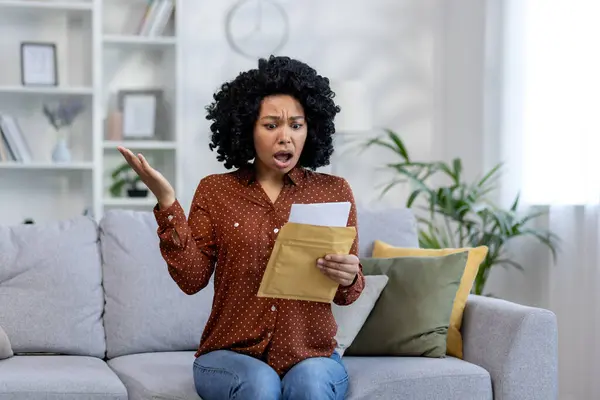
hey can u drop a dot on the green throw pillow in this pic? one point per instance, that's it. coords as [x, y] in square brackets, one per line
[412, 315]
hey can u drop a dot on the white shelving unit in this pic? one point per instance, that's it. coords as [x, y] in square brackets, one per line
[98, 54]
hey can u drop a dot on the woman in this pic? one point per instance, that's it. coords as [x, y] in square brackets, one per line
[274, 126]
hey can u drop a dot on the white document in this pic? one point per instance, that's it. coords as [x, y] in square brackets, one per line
[322, 214]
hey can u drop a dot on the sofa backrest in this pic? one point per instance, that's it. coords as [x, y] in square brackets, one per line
[51, 297]
[395, 226]
[57, 280]
[145, 310]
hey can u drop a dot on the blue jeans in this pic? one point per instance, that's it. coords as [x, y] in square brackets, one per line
[223, 374]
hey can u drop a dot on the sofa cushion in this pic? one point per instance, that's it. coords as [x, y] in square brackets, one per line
[397, 227]
[476, 257]
[59, 378]
[167, 375]
[51, 287]
[170, 376]
[416, 378]
[145, 309]
[350, 318]
[412, 315]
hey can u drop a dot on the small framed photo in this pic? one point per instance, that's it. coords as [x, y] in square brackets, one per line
[140, 113]
[39, 66]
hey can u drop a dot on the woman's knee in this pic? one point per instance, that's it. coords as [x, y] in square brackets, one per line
[258, 382]
[317, 378]
[258, 386]
[226, 375]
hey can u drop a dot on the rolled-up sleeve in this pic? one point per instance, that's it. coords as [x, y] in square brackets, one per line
[188, 245]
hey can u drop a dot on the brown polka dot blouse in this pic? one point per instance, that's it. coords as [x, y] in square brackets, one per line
[231, 230]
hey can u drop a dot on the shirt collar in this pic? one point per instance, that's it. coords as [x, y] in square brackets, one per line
[247, 174]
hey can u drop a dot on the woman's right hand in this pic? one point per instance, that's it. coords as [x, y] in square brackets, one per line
[154, 180]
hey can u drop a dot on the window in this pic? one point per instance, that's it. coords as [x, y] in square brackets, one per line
[560, 115]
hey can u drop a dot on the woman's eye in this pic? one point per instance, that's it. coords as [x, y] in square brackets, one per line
[296, 126]
[270, 126]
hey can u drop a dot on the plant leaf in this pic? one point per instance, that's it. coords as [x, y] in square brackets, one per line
[515, 203]
[120, 169]
[400, 147]
[413, 196]
[492, 173]
[457, 165]
[380, 143]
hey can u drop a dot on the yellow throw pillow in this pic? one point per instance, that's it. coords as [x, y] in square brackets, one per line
[454, 347]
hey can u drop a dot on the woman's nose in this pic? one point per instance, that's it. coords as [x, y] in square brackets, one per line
[283, 135]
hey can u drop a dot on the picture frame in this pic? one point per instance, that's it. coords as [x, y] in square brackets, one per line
[140, 112]
[39, 65]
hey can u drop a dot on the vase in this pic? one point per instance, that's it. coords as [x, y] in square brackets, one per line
[61, 152]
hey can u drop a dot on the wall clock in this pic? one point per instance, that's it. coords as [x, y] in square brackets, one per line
[257, 28]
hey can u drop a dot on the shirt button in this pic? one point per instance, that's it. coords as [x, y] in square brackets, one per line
[170, 218]
[273, 308]
[276, 230]
[269, 334]
[236, 224]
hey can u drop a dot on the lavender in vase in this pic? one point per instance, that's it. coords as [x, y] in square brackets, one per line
[61, 116]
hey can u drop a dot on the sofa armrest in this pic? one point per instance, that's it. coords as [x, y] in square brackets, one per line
[516, 344]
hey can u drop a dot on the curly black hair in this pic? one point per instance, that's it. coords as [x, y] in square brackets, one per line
[236, 108]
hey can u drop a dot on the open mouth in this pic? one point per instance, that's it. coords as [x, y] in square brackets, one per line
[283, 158]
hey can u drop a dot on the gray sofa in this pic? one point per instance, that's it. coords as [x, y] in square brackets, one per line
[93, 314]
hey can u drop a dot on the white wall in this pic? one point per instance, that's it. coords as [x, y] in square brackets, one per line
[389, 44]
[461, 105]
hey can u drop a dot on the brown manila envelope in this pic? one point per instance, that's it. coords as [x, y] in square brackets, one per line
[292, 271]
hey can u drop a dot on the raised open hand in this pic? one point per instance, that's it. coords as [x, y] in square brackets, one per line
[154, 180]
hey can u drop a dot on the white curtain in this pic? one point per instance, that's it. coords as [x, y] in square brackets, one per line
[551, 141]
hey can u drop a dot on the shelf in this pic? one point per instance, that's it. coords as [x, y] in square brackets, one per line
[149, 201]
[46, 5]
[142, 145]
[73, 166]
[138, 41]
[47, 91]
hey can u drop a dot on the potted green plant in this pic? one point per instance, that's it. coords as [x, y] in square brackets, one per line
[124, 178]
[459, 213]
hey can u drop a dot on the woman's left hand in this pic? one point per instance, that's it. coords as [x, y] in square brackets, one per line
[342, 268]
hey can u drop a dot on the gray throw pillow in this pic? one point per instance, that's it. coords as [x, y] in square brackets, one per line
[351, 318]
[5, 347]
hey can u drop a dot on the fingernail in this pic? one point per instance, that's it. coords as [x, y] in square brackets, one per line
[327, 257]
